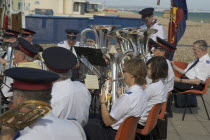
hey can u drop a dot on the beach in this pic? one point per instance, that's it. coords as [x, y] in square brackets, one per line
[194, 31]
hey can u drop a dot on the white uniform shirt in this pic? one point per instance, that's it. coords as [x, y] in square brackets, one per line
[65, 45]
[160, 33]
[155, 93]
[132, 103]
[200, 70]
[170, 78]
[52, 128]
[71, 99]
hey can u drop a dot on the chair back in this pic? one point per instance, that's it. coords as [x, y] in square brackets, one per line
[181, 65]
[163, 109]
[205, 88]
[127, 129]
[151, 120]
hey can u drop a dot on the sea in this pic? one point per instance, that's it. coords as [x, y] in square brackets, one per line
[201, 17]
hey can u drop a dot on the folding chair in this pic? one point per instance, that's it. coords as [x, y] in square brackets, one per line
[196, 93]
[151, 120]
[163, 109]
[127, 129]
[189, 93]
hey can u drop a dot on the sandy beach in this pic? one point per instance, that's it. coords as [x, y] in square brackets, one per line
[194, 31]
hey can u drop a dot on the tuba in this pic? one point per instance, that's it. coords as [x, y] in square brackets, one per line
[133, 41]
[24, 114]
[102, 37]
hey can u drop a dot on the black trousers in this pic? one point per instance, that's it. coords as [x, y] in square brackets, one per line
[179, 87]
[96, 130]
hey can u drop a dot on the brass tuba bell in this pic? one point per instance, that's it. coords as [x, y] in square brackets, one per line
[24, 114]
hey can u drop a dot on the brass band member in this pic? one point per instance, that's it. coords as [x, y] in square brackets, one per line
[132, 103]
[27, 34]
[23, 52]
[151, 23]
[69, 44]
[70, 99]
[156, 89]
[35, 84]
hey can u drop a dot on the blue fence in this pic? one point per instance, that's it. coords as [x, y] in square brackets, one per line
[51, 29]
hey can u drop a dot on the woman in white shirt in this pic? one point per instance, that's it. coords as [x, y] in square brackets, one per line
[132, 103]
[156, 90]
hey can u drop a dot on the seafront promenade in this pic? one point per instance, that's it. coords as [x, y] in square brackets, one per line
[196, 126]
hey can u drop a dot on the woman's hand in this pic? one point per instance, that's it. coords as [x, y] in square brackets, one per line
[102, 97]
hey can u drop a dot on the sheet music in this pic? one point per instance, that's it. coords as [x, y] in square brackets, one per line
[91, 82]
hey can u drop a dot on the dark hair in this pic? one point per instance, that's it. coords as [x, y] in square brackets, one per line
[159, 68]
[137, 68]
[167, 53]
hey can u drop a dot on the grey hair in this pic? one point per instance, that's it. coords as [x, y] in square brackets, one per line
[63, 76]
[28, 58]
[35, 95]
[202, 45]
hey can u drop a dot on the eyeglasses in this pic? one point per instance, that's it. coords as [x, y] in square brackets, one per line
[195, 49]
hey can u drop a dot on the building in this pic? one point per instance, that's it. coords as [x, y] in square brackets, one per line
[61, 7]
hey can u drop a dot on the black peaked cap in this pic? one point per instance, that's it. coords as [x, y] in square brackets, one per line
[59, 59]
[26, 47]
[72, 31]
[27, 31]
[31, 75]
[164, 44]
[146, 11]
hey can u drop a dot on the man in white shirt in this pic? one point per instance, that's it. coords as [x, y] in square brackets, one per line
[70, 99]
[196, 73]
[151, 23]
[69, 44]
[23, 52]
[34, 84]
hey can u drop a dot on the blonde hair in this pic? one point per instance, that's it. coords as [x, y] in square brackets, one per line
[137, 67]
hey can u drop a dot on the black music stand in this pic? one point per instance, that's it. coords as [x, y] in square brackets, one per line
[94, 56]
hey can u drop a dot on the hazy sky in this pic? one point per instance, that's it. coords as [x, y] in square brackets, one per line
[192, 4]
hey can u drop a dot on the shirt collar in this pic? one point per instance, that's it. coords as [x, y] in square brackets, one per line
[203, 58]
[134, 88]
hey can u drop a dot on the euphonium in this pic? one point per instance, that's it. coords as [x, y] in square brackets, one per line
[24, 114]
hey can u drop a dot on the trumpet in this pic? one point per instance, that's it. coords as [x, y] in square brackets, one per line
[24, 114]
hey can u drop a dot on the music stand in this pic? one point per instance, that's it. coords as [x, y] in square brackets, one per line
[94, 56]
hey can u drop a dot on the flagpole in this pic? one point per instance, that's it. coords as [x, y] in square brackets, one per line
[170, 23]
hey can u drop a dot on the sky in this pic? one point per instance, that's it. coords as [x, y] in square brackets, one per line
[192, 4]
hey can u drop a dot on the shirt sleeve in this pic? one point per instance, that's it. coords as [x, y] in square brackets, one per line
[203, 73]
[120, 107]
